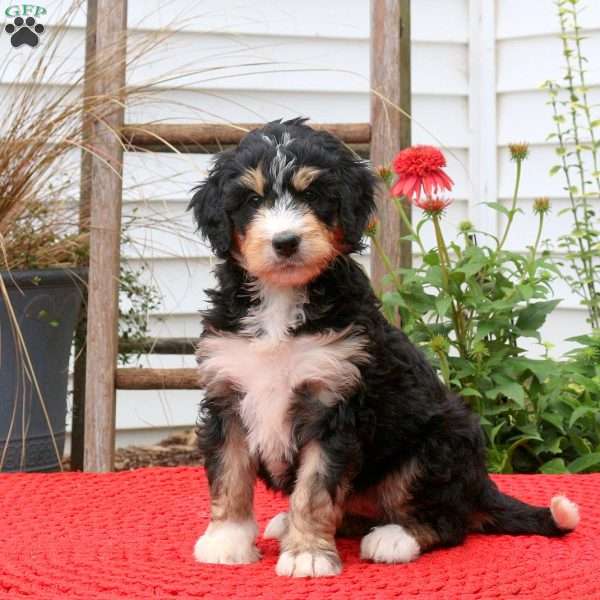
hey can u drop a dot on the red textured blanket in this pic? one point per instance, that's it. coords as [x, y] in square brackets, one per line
[130, 535]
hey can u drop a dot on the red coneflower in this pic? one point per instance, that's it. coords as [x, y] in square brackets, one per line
[420, 168]
[431, 205]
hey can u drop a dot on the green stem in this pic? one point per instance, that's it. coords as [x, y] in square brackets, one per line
[538, 237]
[457, 316]
[408, 224]
[588, 289]
[439, 238]
[513, 208]
[586, 105]
[386, 261]
[444, 367]
[586, 239]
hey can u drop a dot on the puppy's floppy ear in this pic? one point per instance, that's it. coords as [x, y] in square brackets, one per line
[357, 201]
[209, 210]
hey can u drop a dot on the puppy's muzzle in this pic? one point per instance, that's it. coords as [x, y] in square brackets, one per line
[286, 243]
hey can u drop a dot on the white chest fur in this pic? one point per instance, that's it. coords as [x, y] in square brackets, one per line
[265, 364]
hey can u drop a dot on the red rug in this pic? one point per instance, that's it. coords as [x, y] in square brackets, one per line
[130, 535]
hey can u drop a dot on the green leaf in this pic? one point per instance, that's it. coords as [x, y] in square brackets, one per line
[555, 169]
[554, 466]
[554, 419]
[580, 412]
[498, 207]
[533, 316]
[584, 462]
[442, 304]
[595, 123]
[473, 266]
[494, 432]
[467, 391]
[510, 389]
[580, 444]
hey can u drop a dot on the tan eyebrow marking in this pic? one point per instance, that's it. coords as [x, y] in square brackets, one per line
[304, 176]
[254, 179]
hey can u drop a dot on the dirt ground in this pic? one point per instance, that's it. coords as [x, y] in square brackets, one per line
[177, 450]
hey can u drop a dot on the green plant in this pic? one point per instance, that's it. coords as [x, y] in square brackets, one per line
[137, 300]
[574, 435]
[470, 307]
[577, 146]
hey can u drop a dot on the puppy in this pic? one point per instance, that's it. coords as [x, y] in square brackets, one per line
[309, 387]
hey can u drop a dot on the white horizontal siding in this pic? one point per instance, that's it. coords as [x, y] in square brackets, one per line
[321, 69]
[228, 60]
[529, 52]
[519, 19]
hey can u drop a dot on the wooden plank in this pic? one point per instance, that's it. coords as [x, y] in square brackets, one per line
[157, 379]
[105, 235]
[390, 129]
[150, 136]
[159, 346]
[79, 367]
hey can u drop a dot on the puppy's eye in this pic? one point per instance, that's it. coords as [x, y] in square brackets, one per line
[309, 195]
[254, 199]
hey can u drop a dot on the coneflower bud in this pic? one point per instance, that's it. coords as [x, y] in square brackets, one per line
[371, 229]
[541, 205]
[439, 344]
[465, 226]
[385, 173]
[519, 151]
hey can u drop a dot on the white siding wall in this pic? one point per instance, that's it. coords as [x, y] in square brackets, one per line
[528, 52]
[477, 66]
[320, 54]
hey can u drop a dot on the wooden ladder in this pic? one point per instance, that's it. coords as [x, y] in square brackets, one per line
[96, 374]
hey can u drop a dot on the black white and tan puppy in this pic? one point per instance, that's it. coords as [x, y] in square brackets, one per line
[309, 387]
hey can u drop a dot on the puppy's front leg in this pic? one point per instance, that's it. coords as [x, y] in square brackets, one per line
[308, 547]
[231, 471]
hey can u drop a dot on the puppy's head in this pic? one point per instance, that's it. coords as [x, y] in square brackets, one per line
[285, 202]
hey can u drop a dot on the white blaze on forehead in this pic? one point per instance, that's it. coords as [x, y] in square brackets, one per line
[281, 164]
[282, 216]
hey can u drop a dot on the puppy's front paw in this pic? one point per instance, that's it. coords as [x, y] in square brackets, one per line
[228, 543]
[277, 527]
[310, 563]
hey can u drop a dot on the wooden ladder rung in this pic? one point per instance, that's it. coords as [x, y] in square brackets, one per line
[208, 136]
[176, 345]
[157, 379]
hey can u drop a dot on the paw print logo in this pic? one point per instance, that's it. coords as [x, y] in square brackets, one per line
[24, 31]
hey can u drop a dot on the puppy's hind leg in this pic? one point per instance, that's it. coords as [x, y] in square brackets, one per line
[410, 529]
[400, 542]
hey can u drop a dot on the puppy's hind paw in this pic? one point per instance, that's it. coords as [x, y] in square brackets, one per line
[277, 527]
[389, 544]
[310, 563]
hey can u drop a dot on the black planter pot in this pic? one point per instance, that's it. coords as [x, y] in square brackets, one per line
[46, 304]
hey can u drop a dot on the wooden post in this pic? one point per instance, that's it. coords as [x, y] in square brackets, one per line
[105, 234]
[390, 129]
[78, 414]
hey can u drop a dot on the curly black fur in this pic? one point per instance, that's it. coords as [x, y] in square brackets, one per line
[401, 412]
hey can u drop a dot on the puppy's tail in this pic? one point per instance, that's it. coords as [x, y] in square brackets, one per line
[504, 514]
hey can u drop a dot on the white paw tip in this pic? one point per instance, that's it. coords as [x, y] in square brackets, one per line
[276, 527]
[307, 564]
[564, 512]
[227, 543]
[389, 544]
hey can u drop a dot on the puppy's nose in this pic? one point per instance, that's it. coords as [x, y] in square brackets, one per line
[286, 243]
